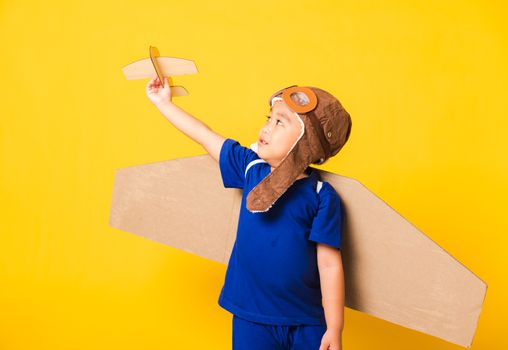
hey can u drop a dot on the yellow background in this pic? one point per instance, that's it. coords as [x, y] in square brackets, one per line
[424, 82]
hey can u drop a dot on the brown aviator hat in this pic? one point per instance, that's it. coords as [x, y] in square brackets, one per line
[325, 129]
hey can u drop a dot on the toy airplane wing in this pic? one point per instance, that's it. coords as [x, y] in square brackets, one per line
[392, 270]
[163, 67]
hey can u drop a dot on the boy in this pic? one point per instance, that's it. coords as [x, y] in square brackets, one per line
[284, 284]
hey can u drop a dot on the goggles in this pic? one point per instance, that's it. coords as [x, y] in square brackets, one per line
[300, 99]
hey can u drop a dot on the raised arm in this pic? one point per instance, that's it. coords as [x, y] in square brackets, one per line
[193, 127]
[183, 121]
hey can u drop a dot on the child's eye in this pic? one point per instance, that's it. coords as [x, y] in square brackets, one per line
[278, 120]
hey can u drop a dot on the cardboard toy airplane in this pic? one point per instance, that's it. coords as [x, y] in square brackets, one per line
[392, 270]
[163, 67]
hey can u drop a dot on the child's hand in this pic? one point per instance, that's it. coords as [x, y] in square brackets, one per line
[332, 340]
[156, 93]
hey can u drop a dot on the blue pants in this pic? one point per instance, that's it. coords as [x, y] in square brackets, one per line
[248, 335]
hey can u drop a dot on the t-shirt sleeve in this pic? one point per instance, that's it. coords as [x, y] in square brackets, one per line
[233, 160]
[327, 224]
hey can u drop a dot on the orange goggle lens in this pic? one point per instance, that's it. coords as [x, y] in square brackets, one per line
[300, 99]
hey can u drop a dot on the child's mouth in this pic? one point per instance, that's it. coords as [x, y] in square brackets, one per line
[261, 142]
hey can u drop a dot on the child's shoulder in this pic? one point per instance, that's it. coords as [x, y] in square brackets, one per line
[234, 143]
[234, 146]
[327, 191]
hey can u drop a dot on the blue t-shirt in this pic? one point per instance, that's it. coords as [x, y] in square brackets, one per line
[272, 275]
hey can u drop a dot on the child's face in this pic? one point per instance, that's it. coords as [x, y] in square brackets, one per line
[280, 131]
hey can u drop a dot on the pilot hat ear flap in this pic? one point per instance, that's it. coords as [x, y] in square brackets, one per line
[263, 196]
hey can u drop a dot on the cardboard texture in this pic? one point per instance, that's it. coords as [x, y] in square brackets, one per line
[393, 271]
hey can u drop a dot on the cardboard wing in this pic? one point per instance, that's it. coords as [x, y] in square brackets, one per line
[392, 270]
